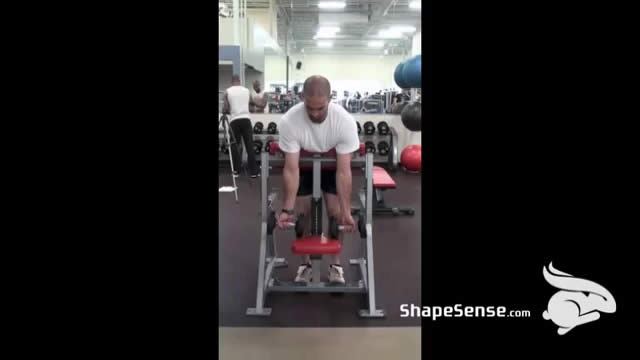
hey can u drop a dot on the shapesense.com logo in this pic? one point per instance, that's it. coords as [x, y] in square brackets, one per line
[458, 311]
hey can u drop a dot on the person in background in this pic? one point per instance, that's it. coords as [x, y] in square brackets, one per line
[258, 99]
[236, 103]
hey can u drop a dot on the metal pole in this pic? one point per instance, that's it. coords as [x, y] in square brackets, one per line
[287, 75]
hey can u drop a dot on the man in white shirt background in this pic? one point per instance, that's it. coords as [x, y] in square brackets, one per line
[236, 103]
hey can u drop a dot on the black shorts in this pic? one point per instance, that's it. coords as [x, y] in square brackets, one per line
[327, 182]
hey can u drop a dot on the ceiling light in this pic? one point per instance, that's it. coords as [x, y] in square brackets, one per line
[415, 5]
[403, 29]
[329, 29]
[376, 44]
[325, 43]
[324, 36]
[332, 5]
[388, 34]
[386, 51]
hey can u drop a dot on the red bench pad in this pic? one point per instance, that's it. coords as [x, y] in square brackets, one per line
[315, 245]
[382, 179]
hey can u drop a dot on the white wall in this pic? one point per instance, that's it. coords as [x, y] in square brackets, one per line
[349, 72]
[275, 70]
[416, 44]
[224, 77]
[225, 31]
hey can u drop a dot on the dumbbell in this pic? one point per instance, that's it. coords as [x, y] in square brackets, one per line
[258, 128]
[370, 147]
[298, 225]
[272, 128]
[359, 127]
[383, 128]
[369, 128]
[257, 147]
[335, 228]
[267, 147]
[383, 148]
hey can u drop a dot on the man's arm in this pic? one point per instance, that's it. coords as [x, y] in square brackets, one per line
[291, 178]
[343, 182]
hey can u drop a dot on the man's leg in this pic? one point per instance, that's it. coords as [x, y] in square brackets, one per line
[247, 135]
[234, 135]
[333, 209]
[303, 207]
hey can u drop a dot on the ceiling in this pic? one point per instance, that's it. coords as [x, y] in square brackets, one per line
[298, 22]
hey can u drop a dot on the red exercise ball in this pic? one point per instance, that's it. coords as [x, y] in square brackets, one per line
[411, 158]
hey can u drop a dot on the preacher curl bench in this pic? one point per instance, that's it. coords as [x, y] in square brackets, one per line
[316, 245]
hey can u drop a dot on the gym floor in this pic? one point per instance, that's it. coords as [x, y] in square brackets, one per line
[397, 253]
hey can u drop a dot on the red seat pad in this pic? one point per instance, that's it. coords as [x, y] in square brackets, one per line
[274, 148]
[315, 245]
[381, 179]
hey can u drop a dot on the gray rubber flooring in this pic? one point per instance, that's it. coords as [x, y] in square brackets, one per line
[397, 258]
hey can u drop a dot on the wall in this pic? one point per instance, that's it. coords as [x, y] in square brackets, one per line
[416, 44]
[349, 72]
[225, 31]
[275, 70]
[224, 77]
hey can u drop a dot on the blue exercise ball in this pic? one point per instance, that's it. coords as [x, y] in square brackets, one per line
[412, 72]
[398, 76]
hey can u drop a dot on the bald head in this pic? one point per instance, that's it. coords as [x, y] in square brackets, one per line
[235, 80]
[317, 86]
[316, 94]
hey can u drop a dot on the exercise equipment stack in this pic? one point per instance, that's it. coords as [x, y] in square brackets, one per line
[381, 140]
[317, 244]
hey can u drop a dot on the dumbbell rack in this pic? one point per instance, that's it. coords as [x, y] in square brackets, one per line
[389, 161]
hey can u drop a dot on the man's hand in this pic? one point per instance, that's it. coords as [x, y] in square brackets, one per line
[347, 220]
[285, 220]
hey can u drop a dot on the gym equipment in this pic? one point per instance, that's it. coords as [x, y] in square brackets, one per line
[257, 147]
[370, 147]
[359, 127]
[411, 158]
[412, 116]
[398, 76]
[383, 128]
[382, 181]
[299, 226]
[272, 128]
[383, 148]
[316, 245]
[396, 109]
[229, 139]
[387, 158]
[334, 228]
[369, 128]
[373, 105]
[412, 72]
[258, 127]
[268, 145]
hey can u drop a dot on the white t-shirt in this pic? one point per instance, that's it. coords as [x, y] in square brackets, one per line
[239, 102]
[338, 130]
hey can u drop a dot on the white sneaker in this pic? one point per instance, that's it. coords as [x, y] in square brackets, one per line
[304, 274]
[336, 274]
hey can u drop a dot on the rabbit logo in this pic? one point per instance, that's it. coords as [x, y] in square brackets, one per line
[578, 302]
